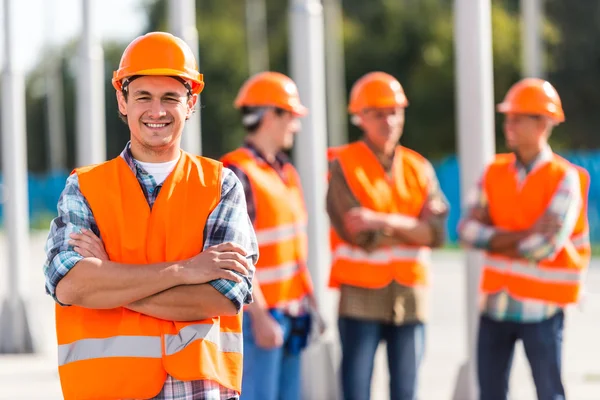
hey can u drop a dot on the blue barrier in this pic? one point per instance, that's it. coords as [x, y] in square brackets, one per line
[45, 189]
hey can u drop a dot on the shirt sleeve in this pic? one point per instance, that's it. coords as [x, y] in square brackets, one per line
[241, 175]
[74, 213]
[565, 206]
[229, 222]
[474, 229]
[436, 208]
[340, 200]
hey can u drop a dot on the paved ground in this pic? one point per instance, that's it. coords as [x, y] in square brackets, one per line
[34, 377]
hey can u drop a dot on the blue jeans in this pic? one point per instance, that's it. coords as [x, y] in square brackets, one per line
[271, 374]
[405, 349]
[543, 346]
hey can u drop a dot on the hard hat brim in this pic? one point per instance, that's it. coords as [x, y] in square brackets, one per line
[197, 80]
[508, 108]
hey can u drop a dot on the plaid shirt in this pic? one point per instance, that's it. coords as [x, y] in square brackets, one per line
[395, 303]
[565, 204]
[228, 222]
[281, 160]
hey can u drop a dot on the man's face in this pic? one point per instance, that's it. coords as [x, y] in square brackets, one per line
[282, 127]
[523, 131]
[382, 126]
[156, 108]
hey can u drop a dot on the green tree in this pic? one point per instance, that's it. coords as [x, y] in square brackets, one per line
[223, 61]
[575, 73]
[412, 40]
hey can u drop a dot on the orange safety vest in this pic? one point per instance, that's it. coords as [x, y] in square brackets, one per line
[119, 353]
[331, 153]
[514, 208]
[280, 226]
[580, 239]
[405, 192]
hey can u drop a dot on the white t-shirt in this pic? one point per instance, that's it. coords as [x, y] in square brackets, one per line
[159, 171]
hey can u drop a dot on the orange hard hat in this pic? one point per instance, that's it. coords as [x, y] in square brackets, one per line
[159, 53]
[376, 90]
[533, 96]
[270, 89]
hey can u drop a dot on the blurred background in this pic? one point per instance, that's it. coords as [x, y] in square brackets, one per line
[66, 51]
[410, 39]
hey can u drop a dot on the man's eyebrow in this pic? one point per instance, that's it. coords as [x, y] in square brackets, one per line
[142, 92]
[166, 94]
[173, 94]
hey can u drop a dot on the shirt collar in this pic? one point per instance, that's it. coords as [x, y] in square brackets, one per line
[385, 160]
[543, 157]
[281, 158]
[135, 167]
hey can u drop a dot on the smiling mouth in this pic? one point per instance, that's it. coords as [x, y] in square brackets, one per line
[156, 126]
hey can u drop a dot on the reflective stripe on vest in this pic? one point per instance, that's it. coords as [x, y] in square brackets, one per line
[228, 342]
[279, 233]
[122, 354]
[117, 346]
[270, 274]
[533, 271]
[382, 256]
[581, 240]
[280, 220]
[403, 191]
[148, 346]
[515, 207]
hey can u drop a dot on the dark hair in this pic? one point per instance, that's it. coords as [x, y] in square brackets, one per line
[252, 128]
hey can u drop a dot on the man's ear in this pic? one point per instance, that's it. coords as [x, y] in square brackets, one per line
[548, 125]
[191, 105]
[121, 102]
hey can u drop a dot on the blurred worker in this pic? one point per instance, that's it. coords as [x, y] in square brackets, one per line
[277, 324]
[387, 211]
[150, 259]
[528, 214]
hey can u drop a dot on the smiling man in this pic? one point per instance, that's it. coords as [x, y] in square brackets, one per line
[151, 257]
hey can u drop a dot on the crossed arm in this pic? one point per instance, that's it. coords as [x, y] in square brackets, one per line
[370, 229]
[543, 240]
[216, 282]
[477, 231]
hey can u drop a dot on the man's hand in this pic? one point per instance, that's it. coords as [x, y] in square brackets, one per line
[266, 330]
[87, 244]
[480, 215]
[217, 262]
[316, 314]
[361, 219]
[547, 225]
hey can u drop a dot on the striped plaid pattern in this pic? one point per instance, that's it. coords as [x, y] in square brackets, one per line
[281, 161]
[229, 221]
[565, 204]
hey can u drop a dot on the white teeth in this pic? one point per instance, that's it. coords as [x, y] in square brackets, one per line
[156, 125]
